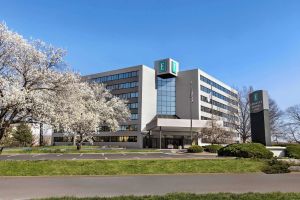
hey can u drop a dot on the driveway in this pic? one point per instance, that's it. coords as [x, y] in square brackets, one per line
[83, 186]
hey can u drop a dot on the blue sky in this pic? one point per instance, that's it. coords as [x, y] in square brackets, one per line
[241, 42]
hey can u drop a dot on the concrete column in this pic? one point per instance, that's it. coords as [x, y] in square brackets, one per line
[160, 137]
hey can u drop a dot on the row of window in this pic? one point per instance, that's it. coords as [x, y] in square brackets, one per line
[228, 124]
[218, 113]
[63, 139]
[122, 85]
[132, 127]
[132, 105]
[115, 138]
[166, 103]
[115, 77]
[100, 139]
[218, 95]
[166, 110]
[205, 118]
[218, 104]
[216, 85]
[128, 95]
[134, 116]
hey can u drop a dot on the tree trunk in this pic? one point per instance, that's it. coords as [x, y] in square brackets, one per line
[244, 139]
[79, 146]
[41, 134]
[2, 132]
[79, 143]
[74, 140]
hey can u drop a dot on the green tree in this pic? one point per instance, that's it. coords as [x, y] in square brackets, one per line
[23, 135]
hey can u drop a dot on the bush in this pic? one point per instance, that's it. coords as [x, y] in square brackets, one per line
[293, 151]
[195, 149]
[212, 148]
[249, 150]
[276, 167]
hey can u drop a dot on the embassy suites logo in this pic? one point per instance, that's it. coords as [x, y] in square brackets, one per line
[255, 97]
[174, 67]
[256, 103]
[162, 66]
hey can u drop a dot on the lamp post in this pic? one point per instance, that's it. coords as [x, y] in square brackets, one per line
[191, 110]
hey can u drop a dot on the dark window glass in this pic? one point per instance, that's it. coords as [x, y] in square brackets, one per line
[166, 96]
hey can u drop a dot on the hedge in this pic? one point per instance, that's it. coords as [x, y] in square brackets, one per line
[212, 148]
[195, 149]
[248, 150]
[293, 151]
[276, 167]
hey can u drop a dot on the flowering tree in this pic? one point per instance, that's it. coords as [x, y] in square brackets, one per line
[29, 79]
[92, 105]
[35, 87]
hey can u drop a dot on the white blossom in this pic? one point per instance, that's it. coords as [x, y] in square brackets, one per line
[35, 86]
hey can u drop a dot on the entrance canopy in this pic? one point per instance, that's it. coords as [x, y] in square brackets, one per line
[183, 125]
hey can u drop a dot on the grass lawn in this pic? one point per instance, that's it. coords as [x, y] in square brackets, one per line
[71, 149]
[127, 167]
[186, 196]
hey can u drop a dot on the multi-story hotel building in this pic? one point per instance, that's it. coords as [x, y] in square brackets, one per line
[162, 102]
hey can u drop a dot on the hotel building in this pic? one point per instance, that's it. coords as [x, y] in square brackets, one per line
[162, 102]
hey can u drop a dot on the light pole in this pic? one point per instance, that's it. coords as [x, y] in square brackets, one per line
[191, 110]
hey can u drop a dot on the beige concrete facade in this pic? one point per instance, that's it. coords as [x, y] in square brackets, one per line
[153, 126]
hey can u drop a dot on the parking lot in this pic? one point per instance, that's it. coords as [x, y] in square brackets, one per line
[106, 156]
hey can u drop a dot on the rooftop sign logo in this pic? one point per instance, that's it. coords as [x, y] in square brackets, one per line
[166, 68]
[258, 101]
[162, 66]
[174, 67]
[255, 97]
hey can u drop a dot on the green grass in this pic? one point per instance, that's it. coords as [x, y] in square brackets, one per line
[187, 196]
[70, 149]
[127, 167]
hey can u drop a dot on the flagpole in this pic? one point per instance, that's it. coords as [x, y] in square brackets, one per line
[191, 112]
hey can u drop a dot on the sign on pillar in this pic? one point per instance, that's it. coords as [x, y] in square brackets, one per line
[259, 117]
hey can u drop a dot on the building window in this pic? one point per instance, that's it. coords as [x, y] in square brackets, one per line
[122, 86]
[63, 139]
[218, 95]
[115, 77]
[132, 127]
[134, 116]
[205, 118]
[218, 104]
[212, 83]
[132, 105]
[219, 113]
[128, 95]
[115, 138]
[166, 96]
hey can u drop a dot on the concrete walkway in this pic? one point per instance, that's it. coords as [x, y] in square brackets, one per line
[38, 187]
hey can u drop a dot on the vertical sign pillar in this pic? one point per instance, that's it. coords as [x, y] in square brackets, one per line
[259, 117]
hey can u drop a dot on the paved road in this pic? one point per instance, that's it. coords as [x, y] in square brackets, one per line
[40, 187]
[106, 156]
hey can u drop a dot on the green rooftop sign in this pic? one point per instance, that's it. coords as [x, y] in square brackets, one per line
[174, 67]
[163, 66]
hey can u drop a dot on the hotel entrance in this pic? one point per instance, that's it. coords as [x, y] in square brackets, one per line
[168, 133]
[167, 142]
